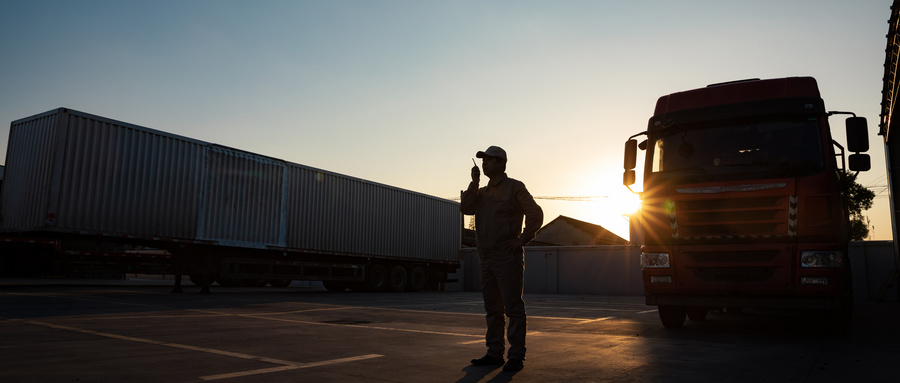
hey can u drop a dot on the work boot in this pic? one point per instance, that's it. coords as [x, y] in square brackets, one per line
[488, 360]
[514, 365]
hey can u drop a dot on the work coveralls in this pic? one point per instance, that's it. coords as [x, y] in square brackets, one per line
[499, 209]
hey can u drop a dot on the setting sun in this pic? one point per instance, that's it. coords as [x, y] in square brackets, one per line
[595, 200]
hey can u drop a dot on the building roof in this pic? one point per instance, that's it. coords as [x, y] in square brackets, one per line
[600, 235]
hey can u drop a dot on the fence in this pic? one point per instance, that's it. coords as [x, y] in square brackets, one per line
[616, 270]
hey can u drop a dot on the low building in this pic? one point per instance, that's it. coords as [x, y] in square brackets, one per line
[566, 231]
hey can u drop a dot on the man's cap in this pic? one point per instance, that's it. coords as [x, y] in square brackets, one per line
[493, 151]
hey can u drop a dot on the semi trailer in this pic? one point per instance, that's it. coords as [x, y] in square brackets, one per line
[84, 189]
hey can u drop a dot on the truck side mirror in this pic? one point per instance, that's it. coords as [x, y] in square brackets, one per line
[857, 135]
[630, 154]
[628, 178]
[859, 162]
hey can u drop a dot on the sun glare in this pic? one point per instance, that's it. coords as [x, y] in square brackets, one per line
[605, 204]
[613, 212]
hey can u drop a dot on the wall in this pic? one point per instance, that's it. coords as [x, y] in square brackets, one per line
[600, 270]
[873, 263]
[616, 270]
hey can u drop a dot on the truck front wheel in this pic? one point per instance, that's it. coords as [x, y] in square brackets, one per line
[672, 316]
[841, 319]
[697, 314]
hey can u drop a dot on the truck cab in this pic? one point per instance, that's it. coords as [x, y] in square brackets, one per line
[741, 201]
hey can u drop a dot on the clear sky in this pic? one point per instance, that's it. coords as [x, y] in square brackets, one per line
[405, 92]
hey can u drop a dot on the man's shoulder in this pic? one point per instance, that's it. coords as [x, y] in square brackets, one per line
[510, 183]
[515, 186]
[514, 181]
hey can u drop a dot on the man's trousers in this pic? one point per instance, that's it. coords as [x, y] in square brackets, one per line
[502, 285]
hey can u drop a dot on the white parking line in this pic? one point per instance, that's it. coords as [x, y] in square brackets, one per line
[530, 333]
[594, 320]
[257, 316]
[285, 364]
[290, 367]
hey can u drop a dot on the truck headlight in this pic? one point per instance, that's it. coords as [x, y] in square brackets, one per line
[654, 260]
[821, 259]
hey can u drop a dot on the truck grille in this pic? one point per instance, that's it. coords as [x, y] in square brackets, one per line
[733, 257]
[733, 266]
[734, 274]
[734, 218]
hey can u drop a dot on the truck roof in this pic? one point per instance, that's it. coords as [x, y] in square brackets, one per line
[738, 92]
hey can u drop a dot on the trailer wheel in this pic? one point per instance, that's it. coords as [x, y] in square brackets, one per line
[672, 316]
[376, 278]
[358, 287]
[229, 282]
[254, 282]
[335, 286]
[734, 310]
[202, 279]
[416, 279]
[280, 282]
[397, 280]
[697, 314]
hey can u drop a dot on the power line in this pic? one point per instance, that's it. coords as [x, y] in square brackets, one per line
[877, 180]
[878, 190]
[573, 198]
[587, 198]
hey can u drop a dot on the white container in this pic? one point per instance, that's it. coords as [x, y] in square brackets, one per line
[76, 173]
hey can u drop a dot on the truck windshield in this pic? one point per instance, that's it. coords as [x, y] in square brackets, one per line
[761, 149]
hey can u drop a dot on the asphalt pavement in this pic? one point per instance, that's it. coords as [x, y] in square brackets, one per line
[138, 331]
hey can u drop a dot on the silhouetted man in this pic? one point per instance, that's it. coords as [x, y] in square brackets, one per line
[499, 209]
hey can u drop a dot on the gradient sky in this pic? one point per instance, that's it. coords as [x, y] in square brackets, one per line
[405, 92]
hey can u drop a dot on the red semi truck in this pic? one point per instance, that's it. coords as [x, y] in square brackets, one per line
[742, 200]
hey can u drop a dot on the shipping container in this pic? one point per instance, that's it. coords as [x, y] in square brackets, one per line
[70, 173]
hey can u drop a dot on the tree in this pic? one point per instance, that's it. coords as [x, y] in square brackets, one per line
[858, 198]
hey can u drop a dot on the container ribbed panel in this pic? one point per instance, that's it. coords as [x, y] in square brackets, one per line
[335, 213]
[26, 188]
[75, 172]
[242, 199]
[118, 179]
